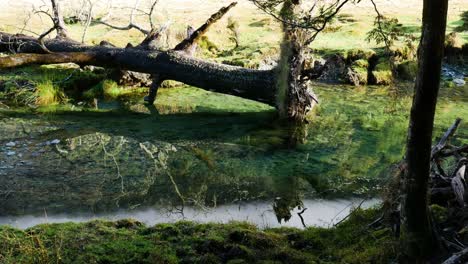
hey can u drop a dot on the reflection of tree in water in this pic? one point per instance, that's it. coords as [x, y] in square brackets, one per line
[100, 172]
[297, 134]
[92, 172]
[289, 190]
[286, 203]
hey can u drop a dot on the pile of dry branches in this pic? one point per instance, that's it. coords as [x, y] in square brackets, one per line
[449, 190]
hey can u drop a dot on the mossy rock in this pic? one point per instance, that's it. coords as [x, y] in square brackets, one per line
[128, 224]
[454, 48]
[382, 73]
[358, 71]
[362, 63]
[408, 70]
[358, 54]
[171, 84]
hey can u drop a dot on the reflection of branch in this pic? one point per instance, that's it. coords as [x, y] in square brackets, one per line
[106, 153]
[302, 219]
[171, 178]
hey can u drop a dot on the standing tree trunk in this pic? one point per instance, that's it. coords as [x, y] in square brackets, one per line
[418, 240]
[294, 99]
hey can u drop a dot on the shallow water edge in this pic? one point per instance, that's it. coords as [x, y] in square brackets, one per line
[319, 213]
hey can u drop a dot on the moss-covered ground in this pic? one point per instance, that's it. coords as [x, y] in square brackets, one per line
[128, 241]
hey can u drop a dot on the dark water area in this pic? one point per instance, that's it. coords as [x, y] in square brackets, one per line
[179, 161]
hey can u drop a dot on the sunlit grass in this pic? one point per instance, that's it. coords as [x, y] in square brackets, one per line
[48, 94]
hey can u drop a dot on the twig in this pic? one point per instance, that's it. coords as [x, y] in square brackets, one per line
[454, 151]
[443, 141]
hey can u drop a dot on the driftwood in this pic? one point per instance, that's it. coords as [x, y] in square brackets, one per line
[448, 188]
[443, 141]
[448, 197]
[458, 258]
[458, 186]
[187, 46]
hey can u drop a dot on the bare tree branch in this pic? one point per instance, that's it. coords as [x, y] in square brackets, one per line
[186, 43]
[132, 23]
[88, 20]
[58, 20]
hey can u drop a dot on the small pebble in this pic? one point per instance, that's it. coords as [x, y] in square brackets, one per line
[10, 144]
[10, 153]
[55, 142]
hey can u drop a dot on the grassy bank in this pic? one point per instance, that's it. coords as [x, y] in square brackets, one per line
[128, 241]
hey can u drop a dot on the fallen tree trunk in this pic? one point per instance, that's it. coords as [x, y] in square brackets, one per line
[258, 85]
[283, 88]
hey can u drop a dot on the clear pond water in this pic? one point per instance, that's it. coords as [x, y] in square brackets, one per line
[206, 157]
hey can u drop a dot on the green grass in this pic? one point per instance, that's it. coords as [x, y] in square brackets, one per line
[48, 94]
[46, 85]
[128, 241]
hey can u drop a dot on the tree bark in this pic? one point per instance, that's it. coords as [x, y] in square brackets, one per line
[258, 85]
[295, 100]
[418, 240]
